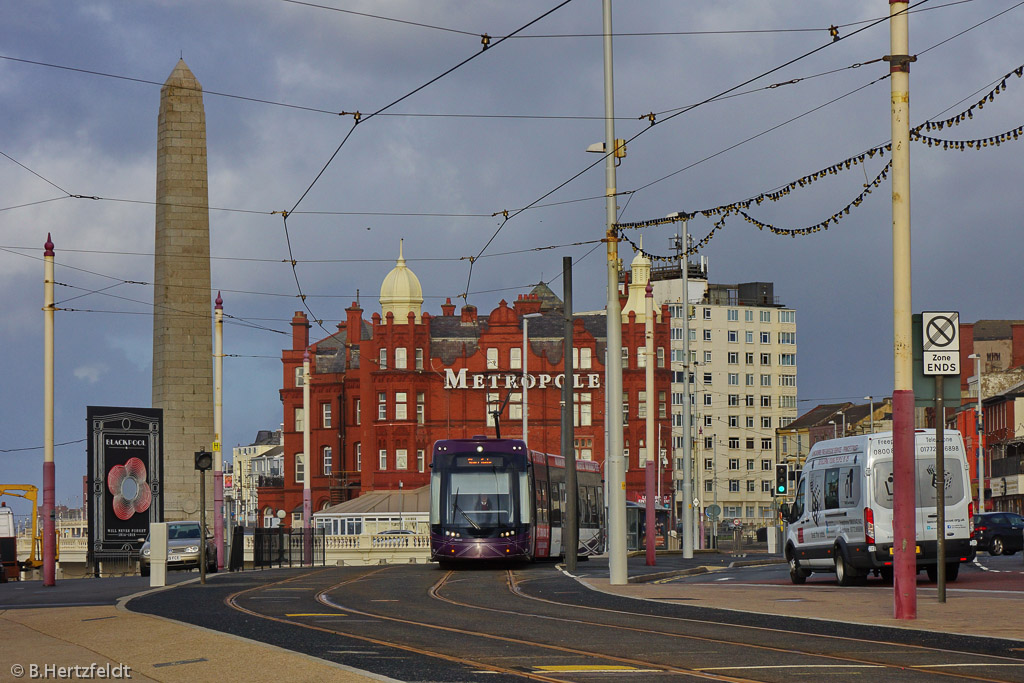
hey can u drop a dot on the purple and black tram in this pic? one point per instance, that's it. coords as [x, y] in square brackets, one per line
[494, 499]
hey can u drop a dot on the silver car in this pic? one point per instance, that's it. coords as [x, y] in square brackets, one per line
[183, 544]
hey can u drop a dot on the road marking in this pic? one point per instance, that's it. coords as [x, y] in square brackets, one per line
[592, 668]
[942, 666]
[794, 666]
[181, 661]
[313, 614]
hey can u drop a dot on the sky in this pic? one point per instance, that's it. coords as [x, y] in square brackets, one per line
[480, 132]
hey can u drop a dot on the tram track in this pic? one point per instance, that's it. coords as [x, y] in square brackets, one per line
[442, 589]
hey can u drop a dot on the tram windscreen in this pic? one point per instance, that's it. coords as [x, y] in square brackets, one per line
[478, 497]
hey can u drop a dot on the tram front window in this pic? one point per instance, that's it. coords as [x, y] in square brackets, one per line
[479, 500]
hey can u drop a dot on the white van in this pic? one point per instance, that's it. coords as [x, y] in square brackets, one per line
[841, 518]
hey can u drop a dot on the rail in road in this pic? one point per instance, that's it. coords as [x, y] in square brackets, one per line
[418, 623]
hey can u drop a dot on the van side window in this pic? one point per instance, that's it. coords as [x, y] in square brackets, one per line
[883, 483]
[849, 487]
[832, 488]
[798, 500]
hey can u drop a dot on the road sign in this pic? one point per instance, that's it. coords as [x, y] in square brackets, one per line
[940, 342]
[712, 511]
[737, 523]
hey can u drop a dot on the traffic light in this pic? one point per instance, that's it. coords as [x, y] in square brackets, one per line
[204, 460]
[781, 480]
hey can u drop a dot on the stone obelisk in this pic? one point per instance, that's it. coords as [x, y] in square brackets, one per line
[182, 309]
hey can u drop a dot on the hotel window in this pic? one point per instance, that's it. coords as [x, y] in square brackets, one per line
[708, 421]
[707, 314]
[748, 316]
[787, 316]
[709, 485]
[382, 459]
[401, 459]
[766, 380]
[734, 442]
[661, 356]
[733, 315]
[708, 463]
[707, 356]
[766, 465]
[787, 380]
[325, 415]
[583, 408]
[625, 408]
[419, 359]
[587, 358]
[734, 420]
[662, 407]
[748, 358]
[401, 406]
[709, 443]
[707, 378]
[296, 520]
[707, 399]
[766, 401]
[584, 448]
[358, 450]
[298, 376]
[750, 464]
[766, 337]
[421, 408]
[641, 405]
[766, 486]
[734, 400]
[734, 358]
[766, 444]
[492, 359]
[328, 456]
[625, 358]
[748, 337]
[749, 400]
[766, 359]
[400, 358]
[515, 358]
[787, 402]
[787, 337]
[750, 443]
[734, 379]
[766, 422]
[734, 485]
[383, 359]
[707, 335]
[421, 460]
[641, 357]
[300, 421]
[515, 406]
[359, 411]
[382, 405]
[787, 359]
[733, 336]
[750, 379]
[300, 468]
[766, 316]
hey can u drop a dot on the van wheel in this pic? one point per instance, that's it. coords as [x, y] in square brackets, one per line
[952, 571]
[845, 574]
[886, 574]
[996, 547]
[796, 574]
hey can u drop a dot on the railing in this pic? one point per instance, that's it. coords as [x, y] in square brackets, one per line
[1007, 467]
[366, 549]
[270, 481]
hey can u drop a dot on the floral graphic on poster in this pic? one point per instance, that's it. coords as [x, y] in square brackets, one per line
[128, 485]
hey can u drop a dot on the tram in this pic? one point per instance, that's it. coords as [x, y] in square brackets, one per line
[494, 499]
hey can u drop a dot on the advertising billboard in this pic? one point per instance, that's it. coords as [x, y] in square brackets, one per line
[125, 470]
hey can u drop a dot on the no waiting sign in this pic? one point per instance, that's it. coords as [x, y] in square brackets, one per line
[941, 342]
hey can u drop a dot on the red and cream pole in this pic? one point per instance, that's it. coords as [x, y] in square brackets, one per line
[904, 515]
[307, 466]
[652, 448]
[49, 538]
[218, 429]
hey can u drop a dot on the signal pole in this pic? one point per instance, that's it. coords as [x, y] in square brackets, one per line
[904, 525]
[218, 430]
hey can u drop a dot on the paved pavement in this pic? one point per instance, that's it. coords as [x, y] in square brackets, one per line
[83, 622]
[991, 613]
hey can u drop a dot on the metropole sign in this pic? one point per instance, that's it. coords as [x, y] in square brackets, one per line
[510, 380]
[940, 342]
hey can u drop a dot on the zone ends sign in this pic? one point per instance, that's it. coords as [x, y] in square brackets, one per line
[941, 342]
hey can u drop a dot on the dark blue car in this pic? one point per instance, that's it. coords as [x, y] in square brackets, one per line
[1000, 533]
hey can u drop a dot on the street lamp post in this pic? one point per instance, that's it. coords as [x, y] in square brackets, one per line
[981, 433]
[871, 401]
[834, 433]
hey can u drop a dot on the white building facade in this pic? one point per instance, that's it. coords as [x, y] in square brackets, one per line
[743, 385]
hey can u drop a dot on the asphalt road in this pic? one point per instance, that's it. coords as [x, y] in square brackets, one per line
[419, 623]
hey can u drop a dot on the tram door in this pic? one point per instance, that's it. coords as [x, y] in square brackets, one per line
[541, 520]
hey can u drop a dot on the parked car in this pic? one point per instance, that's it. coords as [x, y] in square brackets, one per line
[182, 548]
[1000, 533]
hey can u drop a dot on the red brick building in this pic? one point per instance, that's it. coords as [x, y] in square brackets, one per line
[383, 390]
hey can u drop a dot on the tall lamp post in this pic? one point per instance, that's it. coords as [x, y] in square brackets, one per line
[980, 422]
[871, 401]
[526, 406]
[834, 433]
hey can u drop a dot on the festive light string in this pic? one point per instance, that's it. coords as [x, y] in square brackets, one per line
[740, 208]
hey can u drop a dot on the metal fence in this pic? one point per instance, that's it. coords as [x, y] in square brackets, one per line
[282, 548]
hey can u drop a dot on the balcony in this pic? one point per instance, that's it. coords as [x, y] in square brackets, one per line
[270, 481]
